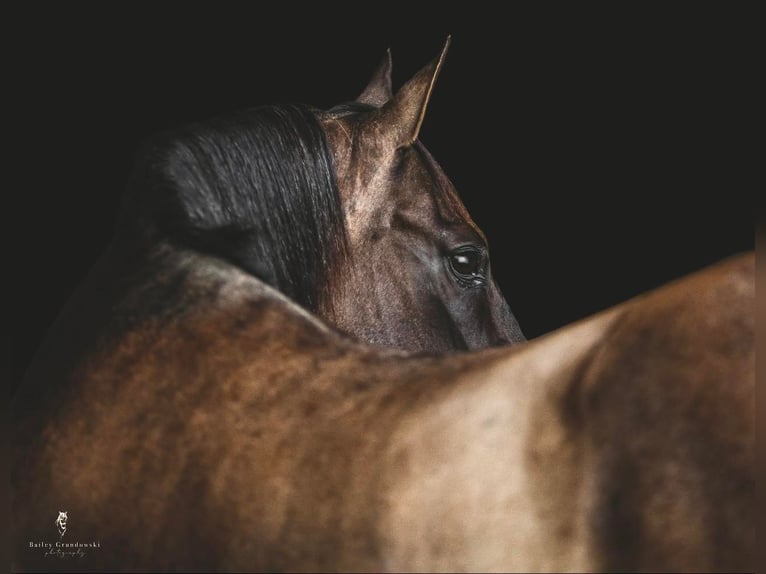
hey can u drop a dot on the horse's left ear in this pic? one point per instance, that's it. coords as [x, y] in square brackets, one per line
[378, 90]
[404, 114]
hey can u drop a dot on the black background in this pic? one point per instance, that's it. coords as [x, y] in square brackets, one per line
[597, 148]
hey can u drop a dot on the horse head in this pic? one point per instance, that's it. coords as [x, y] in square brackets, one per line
[344, 211]
[421, 276]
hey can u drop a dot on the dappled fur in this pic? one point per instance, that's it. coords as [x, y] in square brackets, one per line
[624, 442]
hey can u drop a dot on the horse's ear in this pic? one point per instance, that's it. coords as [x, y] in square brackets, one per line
[404, 114]
[378, 91]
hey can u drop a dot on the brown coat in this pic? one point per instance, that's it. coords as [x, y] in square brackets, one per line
[243, 434]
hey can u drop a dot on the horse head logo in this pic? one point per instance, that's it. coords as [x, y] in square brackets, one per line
[61, 523]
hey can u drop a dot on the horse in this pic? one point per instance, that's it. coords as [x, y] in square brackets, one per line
[244, 434]
[230, 396]
[344, 211]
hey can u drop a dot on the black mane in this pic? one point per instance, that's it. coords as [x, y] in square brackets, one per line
[256, 188]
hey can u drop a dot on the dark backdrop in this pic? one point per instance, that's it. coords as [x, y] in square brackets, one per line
[594, 147]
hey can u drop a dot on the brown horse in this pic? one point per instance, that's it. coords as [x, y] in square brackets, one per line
[189, 413]
[244, 434]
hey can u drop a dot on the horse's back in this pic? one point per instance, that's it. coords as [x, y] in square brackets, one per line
[623, 442]
[148, 422]
[239, 435]
[221, 436]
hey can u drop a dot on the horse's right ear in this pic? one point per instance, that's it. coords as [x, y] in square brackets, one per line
[403, 115]
[378, 90]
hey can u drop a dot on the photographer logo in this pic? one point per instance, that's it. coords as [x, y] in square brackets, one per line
[59, 548]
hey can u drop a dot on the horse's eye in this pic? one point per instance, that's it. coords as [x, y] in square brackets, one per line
[468, 265]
